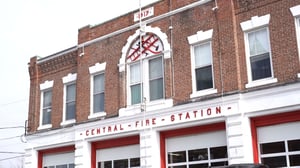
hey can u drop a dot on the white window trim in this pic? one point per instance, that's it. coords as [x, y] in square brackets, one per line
[47, 85]
[296, 13]
[67, 80]
[150, 105]
[166, 54]
[98, 68]
[200, 37]
[256, 23]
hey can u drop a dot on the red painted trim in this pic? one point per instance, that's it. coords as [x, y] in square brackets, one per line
[267, 121]
[41, 153]
[185, 131]
[254, 142]
[111, 143]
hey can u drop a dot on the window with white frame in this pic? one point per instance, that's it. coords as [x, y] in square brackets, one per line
[258, 51]
[296, 13]
[97, 90]
[70, 101]
[142, 61]
[46, 104]
[149, 85]
[146, 72]
[202, 64]
[47, 107]
[69, 111]
[259, 55]
[98, 93]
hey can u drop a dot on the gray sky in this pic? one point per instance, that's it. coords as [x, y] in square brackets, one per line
[39, 27]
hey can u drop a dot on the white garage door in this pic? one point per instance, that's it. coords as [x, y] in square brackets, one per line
[61, 160]
[120, 157]
[199, 150]
[279, 145]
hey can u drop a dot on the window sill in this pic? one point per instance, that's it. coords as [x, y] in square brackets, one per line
[203, 93]
[47, 126]
[261, 82]
[67, 122]
[97, 115]
[150, 106]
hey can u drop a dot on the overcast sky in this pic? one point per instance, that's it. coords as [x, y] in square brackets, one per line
[39, 27]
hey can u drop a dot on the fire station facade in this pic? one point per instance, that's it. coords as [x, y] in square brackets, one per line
[195, 83]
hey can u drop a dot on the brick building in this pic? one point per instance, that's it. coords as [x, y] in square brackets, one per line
[196, 83]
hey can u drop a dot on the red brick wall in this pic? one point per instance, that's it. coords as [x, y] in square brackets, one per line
[229, 60]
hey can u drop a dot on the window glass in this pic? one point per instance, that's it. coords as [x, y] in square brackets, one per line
[294, 160]
[203, 66]
[135, 83]
[277, 161]
[121, 163]
[202, 55]
[156, 78]
[177, 157]
[274, 147]
[294, 145]
[62, 166]
[260, 61]
[204, 78]
[99, 93]
[198, 154]
[258, 42]
[218, 152]
[205, 157]
[70, 101]
[135, 162]
[47, 103]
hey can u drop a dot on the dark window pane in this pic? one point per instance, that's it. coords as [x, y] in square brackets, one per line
[62, 166]
[70, 111]
[121, 163]
[294, 145]
[204, 78]
[135, 94]
[218, 152]
[183, 166]
[274, 147]
[294, 160]
[99, 102]
[134, 162]
[72, 165]
[156, 89]
[46, 116]
[176, 157]
[198, 154]
[260, 66]
[279, 161]
[106, 164]
[225, 163]
[203, 165]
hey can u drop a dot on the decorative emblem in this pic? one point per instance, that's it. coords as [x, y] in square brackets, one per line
[151, 45]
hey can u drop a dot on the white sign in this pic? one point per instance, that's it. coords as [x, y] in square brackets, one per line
[144, 14]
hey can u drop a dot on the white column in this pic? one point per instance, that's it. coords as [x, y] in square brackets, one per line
[239, 139]
[82, 154]
[31, 158]
[149, 148]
